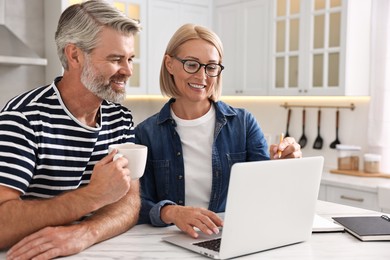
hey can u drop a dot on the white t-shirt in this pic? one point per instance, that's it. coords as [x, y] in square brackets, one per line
[197, 139]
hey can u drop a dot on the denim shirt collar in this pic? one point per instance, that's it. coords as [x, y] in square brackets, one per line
[222, 112]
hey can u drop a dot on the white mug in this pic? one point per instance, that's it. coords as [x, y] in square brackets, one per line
[135, 154]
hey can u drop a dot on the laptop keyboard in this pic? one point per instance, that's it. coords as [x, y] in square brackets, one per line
[213, 244]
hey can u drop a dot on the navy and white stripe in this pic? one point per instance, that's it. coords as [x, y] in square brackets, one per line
[44, 150]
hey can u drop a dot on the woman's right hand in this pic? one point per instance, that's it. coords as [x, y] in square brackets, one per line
[187, 218]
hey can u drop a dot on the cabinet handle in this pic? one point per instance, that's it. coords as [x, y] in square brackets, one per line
[351, 198]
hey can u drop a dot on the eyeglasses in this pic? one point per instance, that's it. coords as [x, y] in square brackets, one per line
[193, 66]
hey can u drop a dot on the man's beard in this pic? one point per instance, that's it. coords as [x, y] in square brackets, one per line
[96, 83]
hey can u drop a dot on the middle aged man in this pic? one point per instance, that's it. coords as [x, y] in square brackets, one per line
[59, 190]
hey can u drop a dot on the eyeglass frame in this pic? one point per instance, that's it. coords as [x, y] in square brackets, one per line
[200, 66]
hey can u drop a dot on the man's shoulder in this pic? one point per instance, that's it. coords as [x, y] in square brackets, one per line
[115, 114]
[114, 108]
[26, 99]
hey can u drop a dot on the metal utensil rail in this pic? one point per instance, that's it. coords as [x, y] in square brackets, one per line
[286, 105]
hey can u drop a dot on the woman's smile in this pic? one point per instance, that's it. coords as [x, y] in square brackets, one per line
[197, 86]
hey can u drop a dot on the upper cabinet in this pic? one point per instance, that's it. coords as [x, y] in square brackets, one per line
[243, 27]
[164, 18]
[13, 50]
[271, 47]
[320, 47]
[159, 20]
[135, 9]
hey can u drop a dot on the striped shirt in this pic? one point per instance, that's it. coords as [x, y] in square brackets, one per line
[45, 150]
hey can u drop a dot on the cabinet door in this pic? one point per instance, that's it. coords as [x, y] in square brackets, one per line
[287, 44]
[326, 47]
[322, 192]
[355, 198]
[228, 29]
[165, 17]
[254, 56]
[314, 47]
[162, 24]
[196, 14]
[137, 10]
[243, 29]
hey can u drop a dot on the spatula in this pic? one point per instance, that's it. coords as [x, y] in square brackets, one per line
[288, 122]
[318, 142]
[337, 141]
[303, 140]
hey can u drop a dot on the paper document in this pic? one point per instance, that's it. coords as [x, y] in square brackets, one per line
[321, 224]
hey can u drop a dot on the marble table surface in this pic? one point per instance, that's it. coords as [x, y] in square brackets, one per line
[144, 242]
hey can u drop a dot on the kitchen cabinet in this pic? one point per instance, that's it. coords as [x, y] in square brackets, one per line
[159, 20]
[13, 51]
[135, 9]
[322, 192]
[243, 27]
[384, 197]
[52, 11]
[362, 192]
[352, 197]
[320, 47]
[164, 18]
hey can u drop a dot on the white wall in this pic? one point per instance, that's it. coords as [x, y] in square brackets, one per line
[272, 119]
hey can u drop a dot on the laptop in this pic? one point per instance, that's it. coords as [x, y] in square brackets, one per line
[270, 204]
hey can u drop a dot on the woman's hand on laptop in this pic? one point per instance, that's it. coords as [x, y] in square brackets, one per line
[187, 218]
[287, 148]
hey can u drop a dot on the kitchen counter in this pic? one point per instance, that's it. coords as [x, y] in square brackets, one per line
[369, 184]
[362, 192]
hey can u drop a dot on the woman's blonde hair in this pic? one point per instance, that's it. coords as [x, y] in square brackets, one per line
[183, 34]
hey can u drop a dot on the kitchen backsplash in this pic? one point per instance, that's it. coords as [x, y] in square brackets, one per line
[272, 118]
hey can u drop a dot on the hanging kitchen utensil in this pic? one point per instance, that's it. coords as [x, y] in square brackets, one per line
[337, 141]
[318, 142]
[303, 140]
[288, 122]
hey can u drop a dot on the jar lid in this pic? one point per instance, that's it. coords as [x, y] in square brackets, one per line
[346, 147]
[370, 157]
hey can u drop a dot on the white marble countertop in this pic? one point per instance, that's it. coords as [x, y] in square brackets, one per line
[144, 242]
[369, 184]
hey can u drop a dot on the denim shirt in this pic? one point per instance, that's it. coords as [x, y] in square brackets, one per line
[237, 138]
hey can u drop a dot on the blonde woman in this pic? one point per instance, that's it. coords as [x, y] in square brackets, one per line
[195, 138]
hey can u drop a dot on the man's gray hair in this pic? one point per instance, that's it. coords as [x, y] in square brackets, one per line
[80, 24]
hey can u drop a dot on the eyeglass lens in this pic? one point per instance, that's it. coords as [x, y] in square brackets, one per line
[212, 69]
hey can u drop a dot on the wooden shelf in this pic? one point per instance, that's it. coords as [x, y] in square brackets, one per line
[361, 174]
[13, 60]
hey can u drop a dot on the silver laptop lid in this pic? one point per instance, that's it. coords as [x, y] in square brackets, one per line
[270, 204]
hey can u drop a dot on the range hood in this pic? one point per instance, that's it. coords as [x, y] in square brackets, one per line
[14, 51]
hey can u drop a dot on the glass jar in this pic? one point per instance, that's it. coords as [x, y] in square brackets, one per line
[348, 157]
[371, 162]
